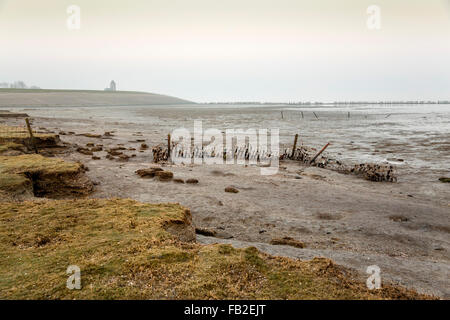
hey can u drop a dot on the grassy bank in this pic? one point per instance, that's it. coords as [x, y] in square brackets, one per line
[25, 176]
[29, 98]
[12, 90]
[130, 250]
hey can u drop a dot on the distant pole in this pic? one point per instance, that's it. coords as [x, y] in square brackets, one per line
[348, 115]
[282, 116]
[302, 114]
[295, 145]
[316, 115]
[32, 142]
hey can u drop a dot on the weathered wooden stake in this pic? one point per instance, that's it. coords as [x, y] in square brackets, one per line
[282, 116]
[318, 153]
[302, 114]
[316, 115]
[168, 146]
[295, 145]
[348, 115]
[32, 142]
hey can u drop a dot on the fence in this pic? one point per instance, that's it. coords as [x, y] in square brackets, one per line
[9, 132]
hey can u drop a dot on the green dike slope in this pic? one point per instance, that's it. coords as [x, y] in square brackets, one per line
[82, 98]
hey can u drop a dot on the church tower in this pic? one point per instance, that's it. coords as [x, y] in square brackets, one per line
[112, 85]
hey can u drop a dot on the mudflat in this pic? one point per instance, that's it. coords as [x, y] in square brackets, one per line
[401, 227]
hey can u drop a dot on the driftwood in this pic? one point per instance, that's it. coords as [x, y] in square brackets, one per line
[375, 172]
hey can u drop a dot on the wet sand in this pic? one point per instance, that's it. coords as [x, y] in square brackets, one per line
[401, 227]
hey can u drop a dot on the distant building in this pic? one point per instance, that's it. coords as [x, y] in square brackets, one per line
[112, 86]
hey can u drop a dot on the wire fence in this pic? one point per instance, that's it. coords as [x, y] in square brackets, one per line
[7, 133]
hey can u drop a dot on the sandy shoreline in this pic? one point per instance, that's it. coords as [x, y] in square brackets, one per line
[357, 223]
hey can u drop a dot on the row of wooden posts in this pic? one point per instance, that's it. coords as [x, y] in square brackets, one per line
[317, 154]
[317, 117]
[294, 147]
[33, 144]
[373, 172]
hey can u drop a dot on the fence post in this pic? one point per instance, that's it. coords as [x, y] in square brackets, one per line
[318, 153]
[32, 142]
[168, 146]
[295, 145]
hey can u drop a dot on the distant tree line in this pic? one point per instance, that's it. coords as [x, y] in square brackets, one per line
[16, 85]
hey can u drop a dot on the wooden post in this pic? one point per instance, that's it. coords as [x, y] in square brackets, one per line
[282, 116]
[295, 145]
[302, 114]
[316, 115]
[318, 153]
[348, 115]
[168, 146]
[32, 142]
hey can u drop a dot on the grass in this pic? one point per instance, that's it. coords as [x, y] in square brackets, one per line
[35, 163]
[10, 146]
[129, 250]
[10, 132]
[11, 90]
[17, 172]
[13, 137]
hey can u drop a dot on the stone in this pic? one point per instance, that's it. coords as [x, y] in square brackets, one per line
[124, 157]
[148, 172]
[231, 190]
[96, 149]
[85, 151]
[288, 241]
[164, 175]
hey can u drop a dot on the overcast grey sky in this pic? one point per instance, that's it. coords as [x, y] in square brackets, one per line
[232, 50]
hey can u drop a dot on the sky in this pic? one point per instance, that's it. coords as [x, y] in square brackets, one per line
[233, 50]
